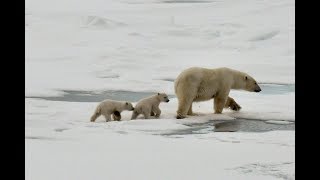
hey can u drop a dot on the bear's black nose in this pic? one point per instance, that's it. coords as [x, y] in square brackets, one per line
[132, 109]
[168, 100]
[257, 90]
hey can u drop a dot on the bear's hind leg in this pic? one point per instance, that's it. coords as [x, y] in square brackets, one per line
[183, 107]
[190, 112]
[146, 114]
[108, 117]
[94, 117]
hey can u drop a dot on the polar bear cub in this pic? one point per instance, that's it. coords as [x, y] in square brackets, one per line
[111, 107]
[150, 106]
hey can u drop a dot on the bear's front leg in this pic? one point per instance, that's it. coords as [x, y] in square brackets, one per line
[157, 111]
[232, 104]
[116, 116]
[219, 103]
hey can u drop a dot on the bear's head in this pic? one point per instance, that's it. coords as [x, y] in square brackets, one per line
[251, 84]
[163, 97]
[128, 106]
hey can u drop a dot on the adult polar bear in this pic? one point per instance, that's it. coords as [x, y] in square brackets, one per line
[201, 84]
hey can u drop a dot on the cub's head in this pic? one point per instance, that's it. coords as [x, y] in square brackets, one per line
[251, 84]
[163, 97]
[128, 106]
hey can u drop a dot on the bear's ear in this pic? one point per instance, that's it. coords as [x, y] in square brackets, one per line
[127, 103]
[158, 94]
[246, 78]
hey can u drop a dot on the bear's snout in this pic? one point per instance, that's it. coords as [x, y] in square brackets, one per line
[167, 100]
[258, 89]
[132, 109]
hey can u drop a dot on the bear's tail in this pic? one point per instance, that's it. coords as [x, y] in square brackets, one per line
[96, 114]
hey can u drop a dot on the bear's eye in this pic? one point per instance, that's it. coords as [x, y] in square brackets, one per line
[255, 83]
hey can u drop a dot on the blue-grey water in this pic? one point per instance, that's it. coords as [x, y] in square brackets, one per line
[98, 96]
[244, 125]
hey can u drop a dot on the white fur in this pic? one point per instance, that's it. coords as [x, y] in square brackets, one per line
[201, 84]
[149, 105]
[108, 107]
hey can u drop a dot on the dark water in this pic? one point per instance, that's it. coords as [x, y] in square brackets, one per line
[238, 125]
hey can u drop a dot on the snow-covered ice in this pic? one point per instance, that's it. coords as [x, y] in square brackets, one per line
[141, 46]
